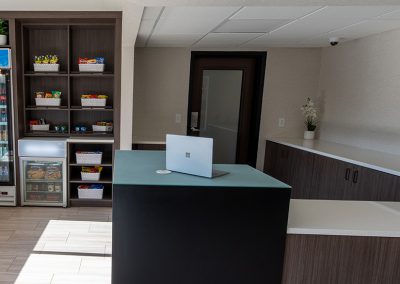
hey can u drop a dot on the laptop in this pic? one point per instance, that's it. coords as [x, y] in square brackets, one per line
[191, 155]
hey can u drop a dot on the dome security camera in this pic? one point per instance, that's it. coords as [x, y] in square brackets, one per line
[333, 41]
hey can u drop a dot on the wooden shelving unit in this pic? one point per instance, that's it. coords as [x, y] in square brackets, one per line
[70, 39]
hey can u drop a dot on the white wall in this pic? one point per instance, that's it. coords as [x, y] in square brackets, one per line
[162, 87]
[160, 92]
[360, 92]
[291, 76]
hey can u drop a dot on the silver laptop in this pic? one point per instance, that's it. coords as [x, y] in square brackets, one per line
[191, 155]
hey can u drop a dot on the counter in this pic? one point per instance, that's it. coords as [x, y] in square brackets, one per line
[380, 161]
[179, 229]
[344, 218]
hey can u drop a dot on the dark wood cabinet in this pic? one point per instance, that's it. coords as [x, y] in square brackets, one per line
[341, 259]
[314, 176]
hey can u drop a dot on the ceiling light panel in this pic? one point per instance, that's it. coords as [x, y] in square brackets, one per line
[226, 39]
[250, 26]
[290, 13]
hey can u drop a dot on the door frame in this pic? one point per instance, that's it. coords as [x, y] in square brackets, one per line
[259, 75]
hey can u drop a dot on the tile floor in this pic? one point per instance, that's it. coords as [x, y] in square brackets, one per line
[55, 245]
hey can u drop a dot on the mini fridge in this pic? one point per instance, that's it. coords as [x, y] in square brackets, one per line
[43, 171]
[7, 173]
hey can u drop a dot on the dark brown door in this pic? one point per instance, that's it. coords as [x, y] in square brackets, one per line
[225, 102]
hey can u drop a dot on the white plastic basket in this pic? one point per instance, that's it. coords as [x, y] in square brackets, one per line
[93, 102]
[48, 101]
[100, 128]
[89, 158]
[40, 127]
[91, 67]
[90, 176]
[86, 193]
[46, 67]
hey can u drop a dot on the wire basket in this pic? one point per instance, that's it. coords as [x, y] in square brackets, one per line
[89, 158]
[93, 102]
[91, 67]
[46, 67]
[90, 176]
[48, 101]
[88, 193]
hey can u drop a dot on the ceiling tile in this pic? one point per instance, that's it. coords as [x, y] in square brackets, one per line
[394, 15]
[366, 28]
[250, 26]
[181, 40]
[226, 39]
[151, 13]
[274, 12]
[198, 12]
[175, 26]
[329, 19]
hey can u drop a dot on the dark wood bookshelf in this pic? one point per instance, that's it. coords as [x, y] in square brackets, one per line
[70, 39]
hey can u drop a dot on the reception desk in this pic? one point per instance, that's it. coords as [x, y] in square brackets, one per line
[180, 229]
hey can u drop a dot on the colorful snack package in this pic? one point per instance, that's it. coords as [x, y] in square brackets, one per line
[48, 95]
[56, 94]
[39, 94]
[99, 60]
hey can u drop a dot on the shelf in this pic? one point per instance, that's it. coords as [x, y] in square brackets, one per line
[5, 46]
[46, 134]
[90, 165]
[46, 108]
[91, 133]
[3, 123]
[45, 74]
[41, 191]
[90, 181]
[92, 74]
[105, 202]
[44, 180]
[107, 108]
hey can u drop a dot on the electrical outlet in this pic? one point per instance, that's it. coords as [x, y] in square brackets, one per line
[178, 118]
[281, 122]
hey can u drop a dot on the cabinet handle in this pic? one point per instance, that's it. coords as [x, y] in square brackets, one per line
[355, 176]
[347, 175]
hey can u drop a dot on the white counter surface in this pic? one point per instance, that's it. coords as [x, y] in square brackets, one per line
[348, 218]
[381, 161]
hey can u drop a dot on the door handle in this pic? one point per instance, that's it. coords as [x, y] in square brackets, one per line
[355, 176]
[194, 129]
[347, 174]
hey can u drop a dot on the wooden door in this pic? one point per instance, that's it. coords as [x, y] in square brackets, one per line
[245, 132]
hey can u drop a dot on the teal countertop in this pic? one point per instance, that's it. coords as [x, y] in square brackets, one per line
[139, 168]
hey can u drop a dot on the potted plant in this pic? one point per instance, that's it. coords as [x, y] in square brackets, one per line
[3, 31]
[310, 114]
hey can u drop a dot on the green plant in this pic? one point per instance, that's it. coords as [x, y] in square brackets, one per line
[3, 27]
[310, 114]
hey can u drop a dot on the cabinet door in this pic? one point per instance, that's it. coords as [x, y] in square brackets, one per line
[270, 159]
[300, 169]
[373, 185]
[330, 178]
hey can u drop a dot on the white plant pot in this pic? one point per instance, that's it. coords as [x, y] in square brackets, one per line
[309, 135]
[3, 39]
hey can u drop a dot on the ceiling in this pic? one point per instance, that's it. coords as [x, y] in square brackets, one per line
[259, 27]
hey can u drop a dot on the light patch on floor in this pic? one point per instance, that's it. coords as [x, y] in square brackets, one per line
[55, 245]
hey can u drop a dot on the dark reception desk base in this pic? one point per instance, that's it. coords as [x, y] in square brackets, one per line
[198, 235]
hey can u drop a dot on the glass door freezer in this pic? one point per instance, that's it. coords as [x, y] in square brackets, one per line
[43, 171]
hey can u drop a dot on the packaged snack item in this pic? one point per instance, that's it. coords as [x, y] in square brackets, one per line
[57, 187]
[53, 59]
[39, 94]
[99, 60]
[95, 169]
[35, 172]
[56, 94]
[48, 95]
[53, 172]
[50, 187]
